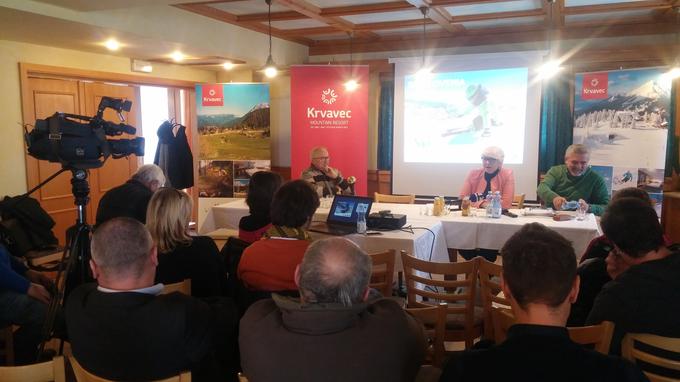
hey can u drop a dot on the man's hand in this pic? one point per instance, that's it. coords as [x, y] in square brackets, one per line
[583, 205]
[39, 293]
[558, 201]
[331, 172]
[39, 278]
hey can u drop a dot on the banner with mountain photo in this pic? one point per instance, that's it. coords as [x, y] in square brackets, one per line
[623, 117]
[326, 112]
[234, 136]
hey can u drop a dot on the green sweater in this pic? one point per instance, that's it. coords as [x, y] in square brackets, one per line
[590, 187]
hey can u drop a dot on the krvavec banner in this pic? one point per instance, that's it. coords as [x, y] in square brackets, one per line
[234, 136]
[623, 117]
[325, 113]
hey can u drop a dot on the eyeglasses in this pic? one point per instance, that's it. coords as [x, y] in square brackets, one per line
[489, 159]
[322, 158]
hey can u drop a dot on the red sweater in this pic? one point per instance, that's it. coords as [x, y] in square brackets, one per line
[269, 264]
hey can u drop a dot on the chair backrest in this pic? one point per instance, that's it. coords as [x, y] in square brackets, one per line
[440, 289]
[518, 200]
[83, 375]
[40, 372]
[661, 352]
[382, 275]
[231, 253]
[433, 319]
[387, 198]
[599, 335]
[490, 284]
[181, 287]
[7, 349]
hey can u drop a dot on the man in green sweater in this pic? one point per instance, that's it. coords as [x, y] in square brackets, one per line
[574, 180]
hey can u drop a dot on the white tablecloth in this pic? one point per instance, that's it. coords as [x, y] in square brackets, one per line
[450, 231]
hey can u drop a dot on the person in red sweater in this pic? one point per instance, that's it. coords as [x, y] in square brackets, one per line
[269, 264]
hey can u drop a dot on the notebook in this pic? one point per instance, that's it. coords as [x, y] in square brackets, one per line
[342, 217]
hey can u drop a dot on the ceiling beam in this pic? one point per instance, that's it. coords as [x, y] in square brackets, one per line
[617, 7]
[363, 9]
[312, 11]
[497, 15]
[438, 15]
[276, 16]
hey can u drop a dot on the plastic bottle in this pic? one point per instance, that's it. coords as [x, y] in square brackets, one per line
[496, 206]
[361, 221]
[488, 204]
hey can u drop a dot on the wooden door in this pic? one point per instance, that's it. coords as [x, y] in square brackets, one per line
[115, 171]
[42, 98]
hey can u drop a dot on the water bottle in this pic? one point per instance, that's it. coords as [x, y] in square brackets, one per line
[496, 206]
[488, 203]
[361, 221]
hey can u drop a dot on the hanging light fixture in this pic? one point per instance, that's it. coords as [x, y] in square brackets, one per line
[270, 67]
[424, 72]
[551, 66]
[352, 83]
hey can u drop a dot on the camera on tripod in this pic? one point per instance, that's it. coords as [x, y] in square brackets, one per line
[79, 142]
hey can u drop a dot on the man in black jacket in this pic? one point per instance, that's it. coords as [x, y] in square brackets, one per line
[123, 329]
[539, 279]
[131, 198]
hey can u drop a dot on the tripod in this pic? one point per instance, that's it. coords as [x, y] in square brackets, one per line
[73, 269]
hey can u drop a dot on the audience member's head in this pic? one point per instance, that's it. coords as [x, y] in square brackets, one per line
[632, 192]
[539, 267]
[261, 189]
[576, 158]
[492, 159]
[122, 249]
[151, 176]
[167, 218]
[633, 226]
[334, 270]
[294, 204]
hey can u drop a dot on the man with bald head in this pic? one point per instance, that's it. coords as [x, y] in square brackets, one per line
[331, 333]
[326, 180]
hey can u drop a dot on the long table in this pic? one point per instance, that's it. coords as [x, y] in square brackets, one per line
[432, 235]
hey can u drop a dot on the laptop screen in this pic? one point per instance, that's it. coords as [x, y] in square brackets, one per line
[345, 207]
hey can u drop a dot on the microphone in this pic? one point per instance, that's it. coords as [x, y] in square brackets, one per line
[351, 180]
[474, 198]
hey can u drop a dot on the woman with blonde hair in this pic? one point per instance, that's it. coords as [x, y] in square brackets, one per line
[181, 256]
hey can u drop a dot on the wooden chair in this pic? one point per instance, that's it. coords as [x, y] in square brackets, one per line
[382, 276]
[646, 354]
[242, 378]
[598, 335]
[464, 321]
[490, 284]
[40, 372]
[83, 375]
[7, 349]
[433, 319]
[518, 201]
[183, 287]
[386, 198]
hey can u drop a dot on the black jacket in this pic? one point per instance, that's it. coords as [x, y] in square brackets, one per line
[173, 155]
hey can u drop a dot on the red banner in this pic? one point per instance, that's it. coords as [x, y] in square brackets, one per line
[213, 95]
[325, 113]
[595, 86]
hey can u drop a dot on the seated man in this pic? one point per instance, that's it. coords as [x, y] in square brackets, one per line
[644, 297]
[539, 279]
[327, 181]
[23, 301]
[574, 181]
[331, 333]
[121, 328]
[131, 198]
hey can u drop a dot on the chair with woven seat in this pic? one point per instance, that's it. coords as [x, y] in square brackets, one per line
[387, 198]
[433, 319]
[39, 372]
[489, 281]
[83, 375]
[655, 355]
[464, 320]
[183, 287]
[382, 275]
[518, 201]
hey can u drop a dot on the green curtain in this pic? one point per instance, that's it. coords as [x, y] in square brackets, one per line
[557, 120]
[672, 156]
[385, 124]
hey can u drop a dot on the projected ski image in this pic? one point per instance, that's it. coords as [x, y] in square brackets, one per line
[451, 117]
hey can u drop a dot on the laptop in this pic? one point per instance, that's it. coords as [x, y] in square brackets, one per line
[342, 217]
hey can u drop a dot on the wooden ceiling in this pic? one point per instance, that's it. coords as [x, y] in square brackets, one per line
[391, 25]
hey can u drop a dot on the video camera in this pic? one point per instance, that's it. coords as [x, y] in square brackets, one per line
[78, 142]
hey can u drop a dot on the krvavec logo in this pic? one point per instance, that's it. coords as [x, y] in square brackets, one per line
[595, 86]
[328, 96]
[213, 95]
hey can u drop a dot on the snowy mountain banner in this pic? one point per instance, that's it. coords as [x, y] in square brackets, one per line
[324, 113]
[233, 134]
[623, 117]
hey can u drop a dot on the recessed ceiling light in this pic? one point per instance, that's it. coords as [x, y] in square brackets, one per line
[112, 44]
[177, 56]
[228, 65]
